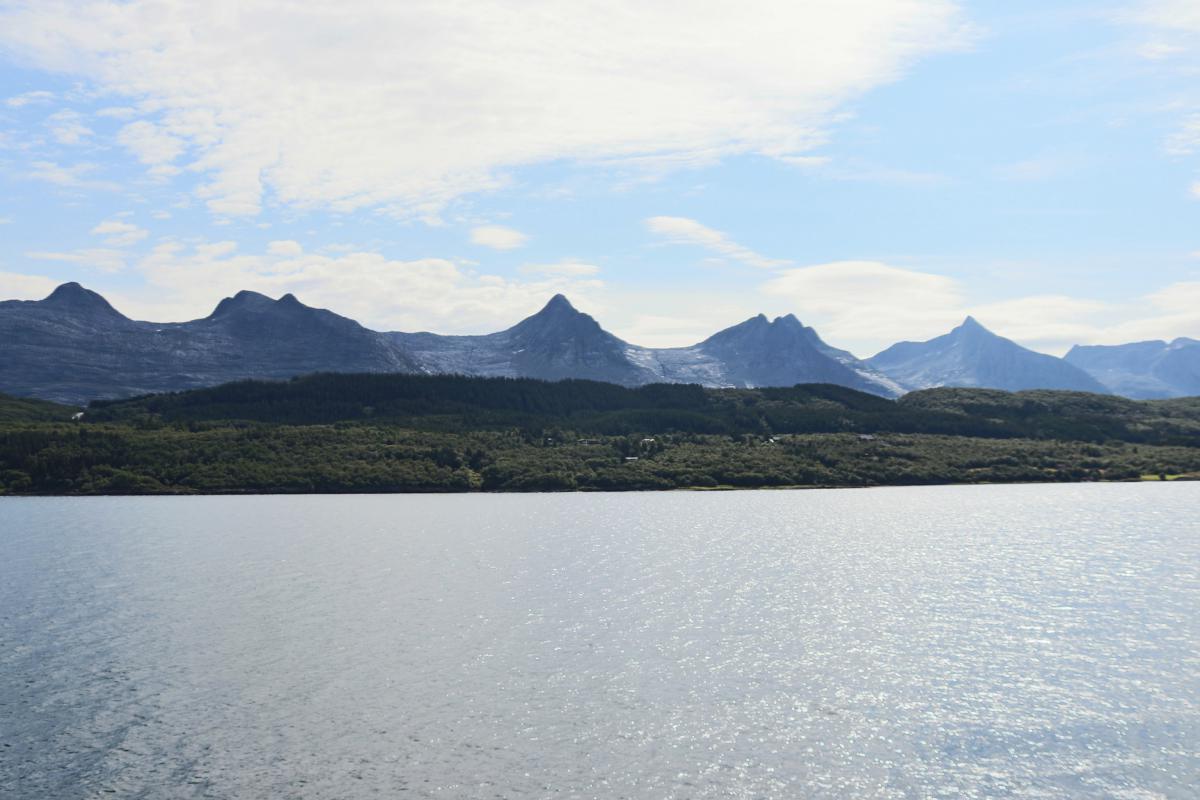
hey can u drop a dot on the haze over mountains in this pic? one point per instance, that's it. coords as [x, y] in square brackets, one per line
[1147, 370]
[73, 347]
[971, 355]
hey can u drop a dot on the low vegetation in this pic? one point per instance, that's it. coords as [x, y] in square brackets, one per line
[391, 433]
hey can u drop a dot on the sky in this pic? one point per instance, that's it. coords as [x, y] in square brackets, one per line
[880, 168]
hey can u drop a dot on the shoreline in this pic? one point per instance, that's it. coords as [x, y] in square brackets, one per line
[1184, 478]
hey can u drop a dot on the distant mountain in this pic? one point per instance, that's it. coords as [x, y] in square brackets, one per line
[1144, 370]
[73, 346]
[560, 342]
[557, 342]
[758, 352]
[972, 356]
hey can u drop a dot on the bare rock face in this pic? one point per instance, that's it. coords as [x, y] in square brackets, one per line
[557, 342]
[972, 356]
[1143, 370]
[73, 346]
[561, 342]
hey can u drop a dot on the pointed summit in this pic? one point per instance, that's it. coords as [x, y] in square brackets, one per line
[972, 356]
[559, 301]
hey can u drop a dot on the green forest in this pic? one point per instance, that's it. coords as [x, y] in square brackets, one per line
[405, 433]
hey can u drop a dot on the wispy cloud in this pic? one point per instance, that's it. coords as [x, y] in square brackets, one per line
[67, 127]
[29, 99]
[1040, 168]
[682, 230]
[117, 233]
[72, 176]
[99, 258]
[568, 268]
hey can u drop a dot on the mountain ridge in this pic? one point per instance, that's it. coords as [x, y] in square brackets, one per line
[74, 346]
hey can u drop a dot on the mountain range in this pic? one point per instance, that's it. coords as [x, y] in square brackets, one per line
[1145, 370]
[73, 346]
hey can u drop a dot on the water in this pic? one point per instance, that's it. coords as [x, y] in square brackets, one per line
[957, 642]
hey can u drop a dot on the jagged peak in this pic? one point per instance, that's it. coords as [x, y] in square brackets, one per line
[970, 323]
[247, 300]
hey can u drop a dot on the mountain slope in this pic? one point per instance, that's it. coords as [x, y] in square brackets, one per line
[972, 356]
[560, 342]
[557, 342]
[73, 346]
[1144, 370]
[758, 352]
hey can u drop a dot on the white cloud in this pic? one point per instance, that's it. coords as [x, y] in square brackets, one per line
[382, 293]
[1165, 313]
[120, 234]
[67, 127]
[1186, 140]
[408, 105]
[285, 247]
[153, 145]
[1177, 15]
[681, 230]
[565, 268]
[867, 305]
[1050, 323]
[498, 237]
[6, 220]
[14, 286]
[29, 99]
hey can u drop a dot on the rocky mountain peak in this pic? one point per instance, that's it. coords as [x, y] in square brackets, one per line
[247, 301]
[75, 299]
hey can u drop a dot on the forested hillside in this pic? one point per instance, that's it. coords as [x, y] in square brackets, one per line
[399, 433]
[456, 403]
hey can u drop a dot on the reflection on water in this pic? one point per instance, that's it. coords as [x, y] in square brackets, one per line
[1004, 641]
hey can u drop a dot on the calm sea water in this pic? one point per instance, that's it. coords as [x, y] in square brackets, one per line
[957, 642]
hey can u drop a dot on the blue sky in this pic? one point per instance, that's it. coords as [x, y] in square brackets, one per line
[880, 168]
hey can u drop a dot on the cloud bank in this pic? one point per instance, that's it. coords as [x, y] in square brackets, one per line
[407, 106]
